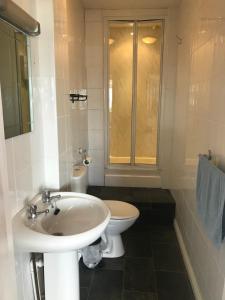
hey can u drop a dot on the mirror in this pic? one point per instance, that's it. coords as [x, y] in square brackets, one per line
[14, 81]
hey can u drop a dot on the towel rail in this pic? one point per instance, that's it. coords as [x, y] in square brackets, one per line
[209, 155]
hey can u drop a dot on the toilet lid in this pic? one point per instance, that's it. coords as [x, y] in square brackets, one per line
[121, 210]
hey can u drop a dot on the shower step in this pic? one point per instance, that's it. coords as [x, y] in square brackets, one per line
[157, 206]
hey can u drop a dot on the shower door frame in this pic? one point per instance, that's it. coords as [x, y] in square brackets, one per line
[132, 18]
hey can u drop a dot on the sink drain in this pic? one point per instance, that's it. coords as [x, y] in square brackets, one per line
[58, 234]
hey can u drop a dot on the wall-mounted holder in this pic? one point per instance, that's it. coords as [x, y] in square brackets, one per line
[78, 99]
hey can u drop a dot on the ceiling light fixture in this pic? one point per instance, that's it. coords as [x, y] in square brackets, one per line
[149, 40]
[111, 41]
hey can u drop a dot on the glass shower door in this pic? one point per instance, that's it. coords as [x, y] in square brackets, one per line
[120, 90]
[149, 41]
[134, 76]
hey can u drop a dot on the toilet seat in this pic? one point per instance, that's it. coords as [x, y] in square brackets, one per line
[121, 210]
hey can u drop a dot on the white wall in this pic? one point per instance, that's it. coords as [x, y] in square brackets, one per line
[70, 75]
[33, 158]
[199, 126]
[28, 154]
[7, 272]
[97, 126]
[94, 65]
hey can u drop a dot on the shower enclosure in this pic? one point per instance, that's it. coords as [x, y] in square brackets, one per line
[134, 90]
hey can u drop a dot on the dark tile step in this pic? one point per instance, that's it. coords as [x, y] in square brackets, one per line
[132, 194]
[156, 206]
[151, 216]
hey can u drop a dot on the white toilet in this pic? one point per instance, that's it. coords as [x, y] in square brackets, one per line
[123, 215]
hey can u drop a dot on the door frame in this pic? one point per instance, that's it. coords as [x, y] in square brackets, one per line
[133, 15]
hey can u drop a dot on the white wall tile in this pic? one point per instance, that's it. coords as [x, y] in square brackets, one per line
[197, 127]
[22, 152]
[62, 134]
[95, 99]
[94, 77]
[7, 271]
[94, 54]
[97, 157]
[95, 119]
[70, 73]
[35, 160]
[11, 173]
[93, 15]
[95, 140]
[96, 175]
[96, 169]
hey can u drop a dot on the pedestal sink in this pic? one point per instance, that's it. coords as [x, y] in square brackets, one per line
[81, 220]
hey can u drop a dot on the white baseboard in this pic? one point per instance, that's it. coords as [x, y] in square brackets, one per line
[187, 262]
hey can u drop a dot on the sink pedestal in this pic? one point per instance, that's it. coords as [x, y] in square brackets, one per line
[61, 272]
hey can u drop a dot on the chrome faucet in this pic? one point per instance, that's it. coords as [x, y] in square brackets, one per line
[47, 198]
[32, 212]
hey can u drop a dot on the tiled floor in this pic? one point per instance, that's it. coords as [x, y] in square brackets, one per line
[152, 269]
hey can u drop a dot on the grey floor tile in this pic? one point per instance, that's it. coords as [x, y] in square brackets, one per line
[163, 234]
[83, 293]
[136, 230]
[151, 195]
[138, 245]
[113, 264]
[139, 275]
[106, 285]
[168, 257]
[136, 295]
[116, 193]
[173, 286]
[152, 268]
[94, 190]
[85, 275]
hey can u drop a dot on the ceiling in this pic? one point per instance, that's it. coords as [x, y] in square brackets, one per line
[129, 4]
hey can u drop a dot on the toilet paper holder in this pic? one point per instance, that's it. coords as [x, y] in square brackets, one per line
[86, 160]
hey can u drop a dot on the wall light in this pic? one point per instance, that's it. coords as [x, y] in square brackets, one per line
[149, 40]
[111, 41]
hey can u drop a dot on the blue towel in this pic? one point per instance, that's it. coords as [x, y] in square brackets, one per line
[211, 198]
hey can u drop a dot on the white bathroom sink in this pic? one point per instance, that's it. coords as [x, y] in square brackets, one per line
[81, 220]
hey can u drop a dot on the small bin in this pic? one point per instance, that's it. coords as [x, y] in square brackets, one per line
[92, 254]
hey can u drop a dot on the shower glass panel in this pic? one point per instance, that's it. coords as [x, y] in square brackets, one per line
[120, 90]
[134, 77]
[149, 37]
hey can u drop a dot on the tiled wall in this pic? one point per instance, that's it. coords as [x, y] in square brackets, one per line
[27, 154]
[95, 81]
[94, 65]
[32, 158]
[70, 75]
[199, 126]
[8, 288]
[43, 157]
